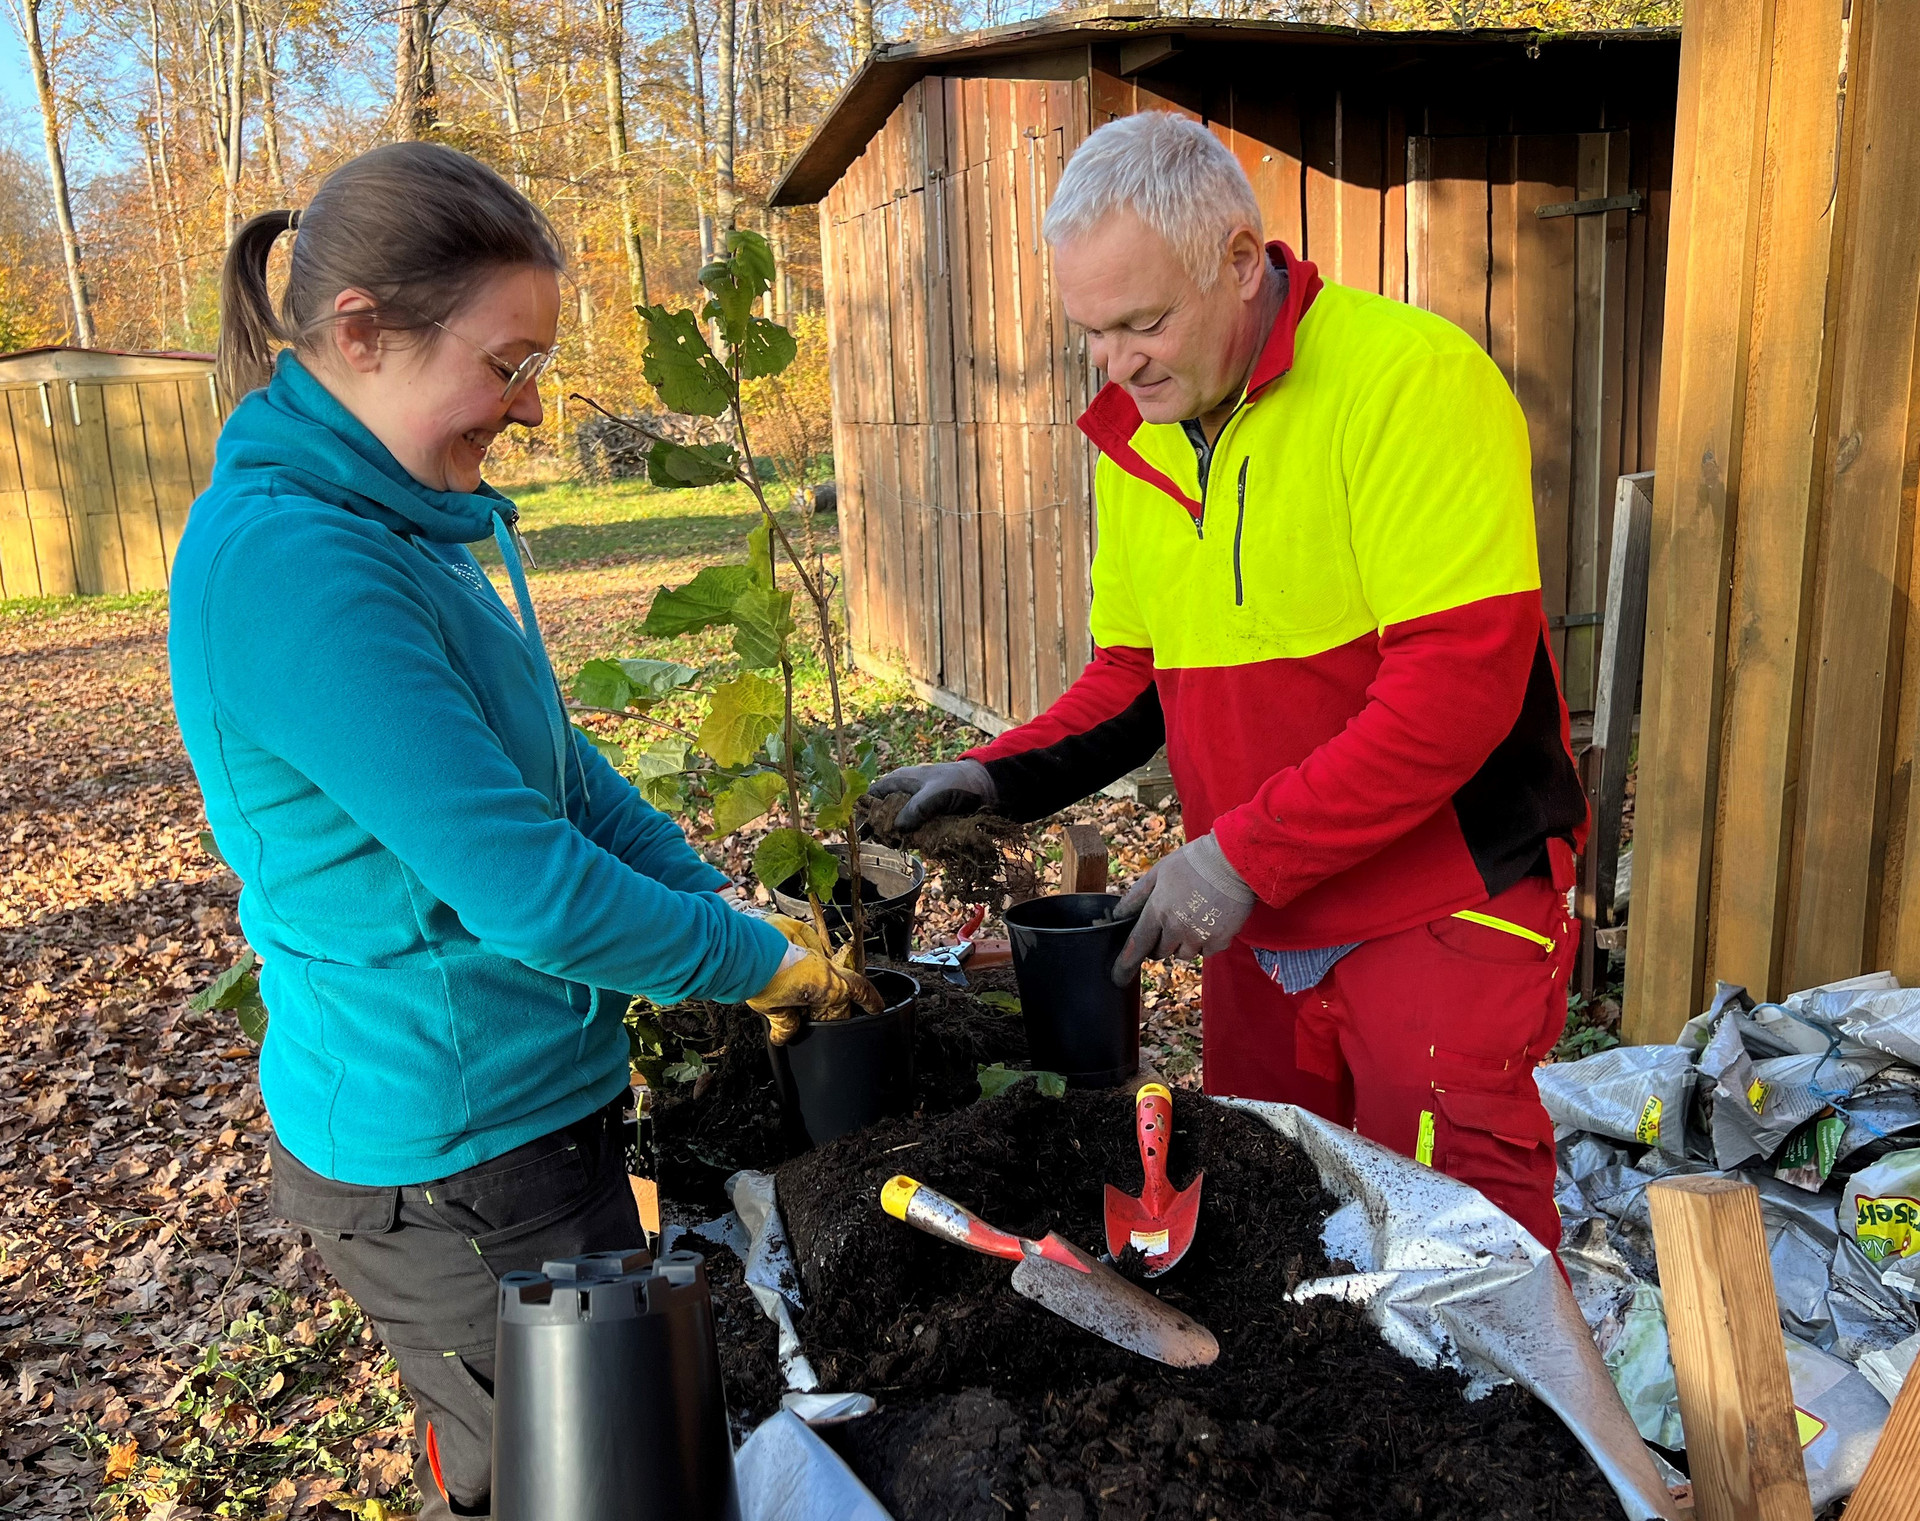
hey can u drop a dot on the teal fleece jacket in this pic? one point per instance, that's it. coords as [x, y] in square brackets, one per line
[451, 897]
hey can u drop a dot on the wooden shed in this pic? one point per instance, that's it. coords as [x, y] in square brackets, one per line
[1515, 183]
[101, 454]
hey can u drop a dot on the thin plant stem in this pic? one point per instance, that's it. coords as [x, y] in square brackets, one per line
[645, 718]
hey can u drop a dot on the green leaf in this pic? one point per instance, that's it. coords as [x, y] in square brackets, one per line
[688, 1068]
[762, 620]
[1050, 1084]
[760, 554]
[736, 806]
[205, 836]
[765, 349]
[704, 601]
[667, 793]
[744, 712]
[615, 754]
[674, 467]
[997, 1079]
[752, 257]
[785, 853]
[836, 811]
[602, 684]
[737, 279]
[664, 757]
[679, 365]
[655, 679]
[997, 1000]
[226, 990]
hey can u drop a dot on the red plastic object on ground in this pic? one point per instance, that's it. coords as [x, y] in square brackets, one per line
[1160, 1223]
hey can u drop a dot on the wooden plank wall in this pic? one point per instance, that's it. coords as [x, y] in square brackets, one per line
[968, 527]
[96, 479]
[1775, 833]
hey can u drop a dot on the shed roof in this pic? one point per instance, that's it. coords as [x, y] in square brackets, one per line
[65, 361]
[864, 105]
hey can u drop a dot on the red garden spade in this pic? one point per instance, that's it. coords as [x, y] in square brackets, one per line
[1159, 1224]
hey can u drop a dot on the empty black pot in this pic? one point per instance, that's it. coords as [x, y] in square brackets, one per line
[892, 880]
[607, 1397]
[1078, 1023]
[841, 1075]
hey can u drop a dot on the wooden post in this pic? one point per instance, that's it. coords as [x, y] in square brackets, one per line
[1083, 860]
[1729, 1361]
[1891, 1489]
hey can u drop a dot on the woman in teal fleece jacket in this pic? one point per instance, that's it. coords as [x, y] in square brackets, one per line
[452, 899]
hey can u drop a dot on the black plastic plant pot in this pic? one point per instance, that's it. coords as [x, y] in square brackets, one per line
[841, 1075]
[892, 880]
[607, 1395]
[1078, 1023]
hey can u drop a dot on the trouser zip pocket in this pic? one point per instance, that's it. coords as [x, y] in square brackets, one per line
[1507, 927]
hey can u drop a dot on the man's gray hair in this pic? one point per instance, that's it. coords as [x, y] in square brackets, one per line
[1169, 171]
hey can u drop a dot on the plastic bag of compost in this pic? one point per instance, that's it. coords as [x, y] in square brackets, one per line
[1641, 1361]
[1889, 1369]
[1632, 1093]
[1840, 1416]
[1881, 1208]
[1883, 1112]
[1887, 1020]
[1869, 1309]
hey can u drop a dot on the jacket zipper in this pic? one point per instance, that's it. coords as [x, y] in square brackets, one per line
[1239, 524]
[1200, 523]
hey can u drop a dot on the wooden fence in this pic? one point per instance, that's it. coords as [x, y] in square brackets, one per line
[1776, 829]
[96, 476]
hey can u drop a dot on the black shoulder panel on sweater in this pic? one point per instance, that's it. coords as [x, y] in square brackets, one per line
[1527, 793]
[1036, 783]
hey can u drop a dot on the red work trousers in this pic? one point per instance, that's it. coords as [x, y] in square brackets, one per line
[1424, 1041]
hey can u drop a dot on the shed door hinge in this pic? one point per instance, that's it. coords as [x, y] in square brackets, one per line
[1574, 620]
[1633, 200]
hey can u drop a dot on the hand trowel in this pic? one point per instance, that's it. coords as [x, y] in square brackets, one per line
[1057, 1274]
[1159, 1224]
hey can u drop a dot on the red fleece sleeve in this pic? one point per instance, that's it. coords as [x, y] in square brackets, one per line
[1449, 688]
[1111, 683]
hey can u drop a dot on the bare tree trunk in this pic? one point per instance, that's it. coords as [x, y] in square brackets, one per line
[235, 158]
[699, 86]
[505, 51]
[583, 288]
[613, 15]
[413, 81]
[166, 173]
[159, 239]
[725, 194]
[862, 30]
[264, 48]
[27, 14]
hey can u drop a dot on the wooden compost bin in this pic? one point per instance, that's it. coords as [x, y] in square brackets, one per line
[1776, 833]
[1412, 164]
[101, 454]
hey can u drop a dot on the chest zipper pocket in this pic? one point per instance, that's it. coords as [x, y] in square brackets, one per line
[1239, 526]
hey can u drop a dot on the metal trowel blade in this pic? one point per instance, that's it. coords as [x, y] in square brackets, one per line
[1097, 1299]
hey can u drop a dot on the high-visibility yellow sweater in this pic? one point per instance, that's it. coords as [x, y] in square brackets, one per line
[1338, 632]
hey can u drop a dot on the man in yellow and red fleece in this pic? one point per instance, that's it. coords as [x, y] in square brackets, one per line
[1316, 580]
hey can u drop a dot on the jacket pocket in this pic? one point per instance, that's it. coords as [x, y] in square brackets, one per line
[1239, 529]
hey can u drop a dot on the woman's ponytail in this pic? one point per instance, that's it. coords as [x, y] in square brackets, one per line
[250, 334]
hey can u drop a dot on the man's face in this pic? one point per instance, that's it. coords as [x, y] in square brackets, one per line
[1178, 350]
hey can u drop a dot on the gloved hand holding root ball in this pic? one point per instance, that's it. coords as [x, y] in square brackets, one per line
[814, 982]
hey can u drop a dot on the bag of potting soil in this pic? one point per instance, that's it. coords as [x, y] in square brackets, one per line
[1632, 1093]
[1758, 1104]
[1840, 1416]
[1801, 1236]
[1868, 1308]
[1880, 1112]
[1695, 1033]
[1881, 1208]
[1808, 1158]
[1641, 1361]
[1889, 1369]
[1888, 1021]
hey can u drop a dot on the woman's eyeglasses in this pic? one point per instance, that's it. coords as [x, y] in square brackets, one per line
[519, 376]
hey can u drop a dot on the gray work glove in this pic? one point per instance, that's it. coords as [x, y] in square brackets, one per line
[961, 786]
[1189, 902]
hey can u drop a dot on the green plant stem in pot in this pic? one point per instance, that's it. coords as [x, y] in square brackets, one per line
[748, 754]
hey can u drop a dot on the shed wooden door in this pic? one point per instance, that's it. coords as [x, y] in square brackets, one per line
[95, 481]
[1546, 296]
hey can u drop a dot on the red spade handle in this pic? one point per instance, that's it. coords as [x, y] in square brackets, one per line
[1153, 1123]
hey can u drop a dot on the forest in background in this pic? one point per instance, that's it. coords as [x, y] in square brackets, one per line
[639, 126]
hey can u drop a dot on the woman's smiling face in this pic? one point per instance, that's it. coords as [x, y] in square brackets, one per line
[435, 398]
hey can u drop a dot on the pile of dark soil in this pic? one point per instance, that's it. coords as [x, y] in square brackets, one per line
[991, 1406]
[732, 1119]
[749, 1342]
[981, 857]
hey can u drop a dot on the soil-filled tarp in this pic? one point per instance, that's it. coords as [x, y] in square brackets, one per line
[990, 1405]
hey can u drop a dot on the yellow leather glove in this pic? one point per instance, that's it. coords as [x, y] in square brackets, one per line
[819, 983]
